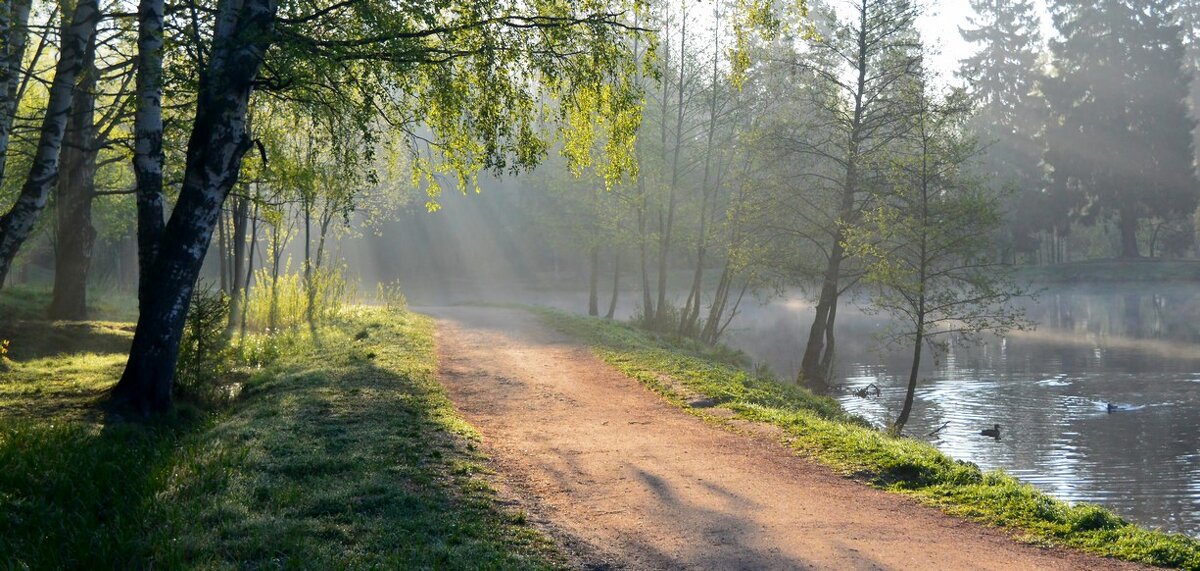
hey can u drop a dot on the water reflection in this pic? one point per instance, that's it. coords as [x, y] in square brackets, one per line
[1050, 389]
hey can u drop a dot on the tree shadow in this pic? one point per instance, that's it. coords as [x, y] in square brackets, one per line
[30, 340]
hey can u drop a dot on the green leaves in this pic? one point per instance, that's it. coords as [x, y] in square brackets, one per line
[926, 246]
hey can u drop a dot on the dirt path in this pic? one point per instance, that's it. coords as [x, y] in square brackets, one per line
[626, 480]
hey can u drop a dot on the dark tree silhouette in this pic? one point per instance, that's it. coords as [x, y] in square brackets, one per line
[1005, 75]
[1120, 144]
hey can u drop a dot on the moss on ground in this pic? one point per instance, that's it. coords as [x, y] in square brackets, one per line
[818, 427]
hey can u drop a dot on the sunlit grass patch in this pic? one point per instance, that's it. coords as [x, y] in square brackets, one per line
[343, 451]
[820, 428]
[60, 370]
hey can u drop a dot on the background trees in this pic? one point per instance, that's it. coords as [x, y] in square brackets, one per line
[760, 135]
[18, 222]
[1004, 77]
[1121, 142]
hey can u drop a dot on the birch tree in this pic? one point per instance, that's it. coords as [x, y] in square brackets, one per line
[14, 19]
[17, 224]
[474, 75]
[148, 139]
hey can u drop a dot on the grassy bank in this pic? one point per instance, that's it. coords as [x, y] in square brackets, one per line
[818, 427]
[340, 452]
[1094, 272]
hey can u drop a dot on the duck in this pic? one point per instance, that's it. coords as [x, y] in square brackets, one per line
[993, 432]
[1112, 408]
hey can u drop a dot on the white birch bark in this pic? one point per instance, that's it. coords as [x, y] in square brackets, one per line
[16, 225]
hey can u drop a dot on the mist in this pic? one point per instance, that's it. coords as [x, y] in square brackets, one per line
[946, 247]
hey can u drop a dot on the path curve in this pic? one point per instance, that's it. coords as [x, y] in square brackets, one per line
[625, 480]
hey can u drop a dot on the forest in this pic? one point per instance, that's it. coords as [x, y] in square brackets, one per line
[816, 215]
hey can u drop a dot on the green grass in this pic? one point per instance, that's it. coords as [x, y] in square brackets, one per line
[22, 302]
[816, 426]
[341, 454]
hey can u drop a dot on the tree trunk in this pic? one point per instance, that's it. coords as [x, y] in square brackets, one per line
[215, 149]
[147, 141]
[74, 234]
[241, 210]
[821, 330]
[1128, 224]
[691, 313]
[612, 303]
[810, 368]
[647, 298]
[245, 305]
[910, 394]
[14, 20]
[665, 241]
[276, 257]
[17, 224]
[223, 252]
[717, 309]
[828, 354]
[594, 284]
[310, 288]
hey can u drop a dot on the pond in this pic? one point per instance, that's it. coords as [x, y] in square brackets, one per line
[1049, 390]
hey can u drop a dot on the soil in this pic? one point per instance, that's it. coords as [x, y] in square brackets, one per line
[625, 480]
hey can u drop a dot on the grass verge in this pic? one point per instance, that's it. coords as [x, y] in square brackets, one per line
[342, 451]
[820, 428]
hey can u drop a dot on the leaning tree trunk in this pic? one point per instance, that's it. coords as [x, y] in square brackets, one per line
[14, 32]
[218, 142]
[717, 309]
[75, 233]
[148, 135]
[17, 224]
[828, 354]
[910, 393]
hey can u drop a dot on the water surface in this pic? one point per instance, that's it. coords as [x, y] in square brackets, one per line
[1049, 389]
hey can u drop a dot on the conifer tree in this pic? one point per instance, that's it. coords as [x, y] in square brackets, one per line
[1120, 144]
[1005, 75]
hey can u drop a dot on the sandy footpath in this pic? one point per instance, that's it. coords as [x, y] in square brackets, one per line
[626, 481]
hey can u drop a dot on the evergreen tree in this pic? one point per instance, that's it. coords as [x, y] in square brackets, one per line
[1120, 144]
[1189, 21]
[1004, 76]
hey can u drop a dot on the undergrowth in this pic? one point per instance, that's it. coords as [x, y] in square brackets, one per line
[817, 426]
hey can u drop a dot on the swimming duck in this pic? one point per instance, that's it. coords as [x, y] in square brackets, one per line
[1112, 408]
[993, 432]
